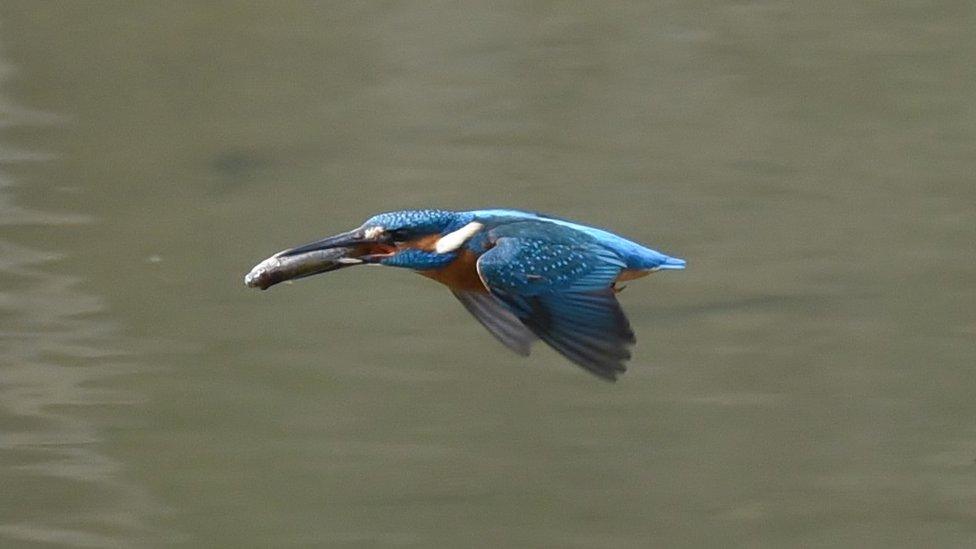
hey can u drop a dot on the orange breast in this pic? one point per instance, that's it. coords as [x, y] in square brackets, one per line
[460, 274]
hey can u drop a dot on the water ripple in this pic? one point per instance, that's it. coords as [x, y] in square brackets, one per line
[54, 353]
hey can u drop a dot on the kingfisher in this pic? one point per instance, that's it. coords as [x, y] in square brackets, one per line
[525, 276]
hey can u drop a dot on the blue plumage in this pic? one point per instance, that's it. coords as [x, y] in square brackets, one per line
[418, 260]
[562, 292]
[533, 266]
[414, 223]
[633, 254]
[523, 275]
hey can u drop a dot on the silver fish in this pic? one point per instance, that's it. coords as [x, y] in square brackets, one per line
[280, 267]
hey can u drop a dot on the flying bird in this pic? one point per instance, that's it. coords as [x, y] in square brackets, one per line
[524, 276]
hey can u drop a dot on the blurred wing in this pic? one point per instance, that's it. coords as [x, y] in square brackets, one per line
[498, 319]
[562, 293]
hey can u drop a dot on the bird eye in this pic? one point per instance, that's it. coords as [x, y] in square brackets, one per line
[399, 235]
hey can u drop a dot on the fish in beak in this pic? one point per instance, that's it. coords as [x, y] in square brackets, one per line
[343, 250]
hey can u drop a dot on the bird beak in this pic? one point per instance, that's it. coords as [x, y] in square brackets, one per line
[321, 256]
[352, 239]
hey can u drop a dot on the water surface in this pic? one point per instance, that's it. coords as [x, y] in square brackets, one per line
[807, 381]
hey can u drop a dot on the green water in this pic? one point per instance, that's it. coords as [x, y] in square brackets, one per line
[808, 382]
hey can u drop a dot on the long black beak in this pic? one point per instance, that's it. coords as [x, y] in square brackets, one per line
[328, 254]
[349, 239]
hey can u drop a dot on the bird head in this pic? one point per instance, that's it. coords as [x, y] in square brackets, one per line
[419, 239]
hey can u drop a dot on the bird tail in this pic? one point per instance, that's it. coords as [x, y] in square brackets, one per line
[672, 263]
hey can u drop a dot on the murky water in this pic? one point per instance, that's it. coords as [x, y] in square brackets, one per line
[808, 381]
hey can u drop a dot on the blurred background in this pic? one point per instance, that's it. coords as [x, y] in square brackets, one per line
[808, 381]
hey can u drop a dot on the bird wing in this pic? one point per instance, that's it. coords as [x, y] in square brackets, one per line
[561, 291]
[498, 319]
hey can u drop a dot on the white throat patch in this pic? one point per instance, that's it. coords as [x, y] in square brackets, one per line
[373, 232]
[454, 240]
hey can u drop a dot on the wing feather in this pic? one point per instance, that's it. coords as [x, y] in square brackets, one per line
[498, 319]
[561, 293]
